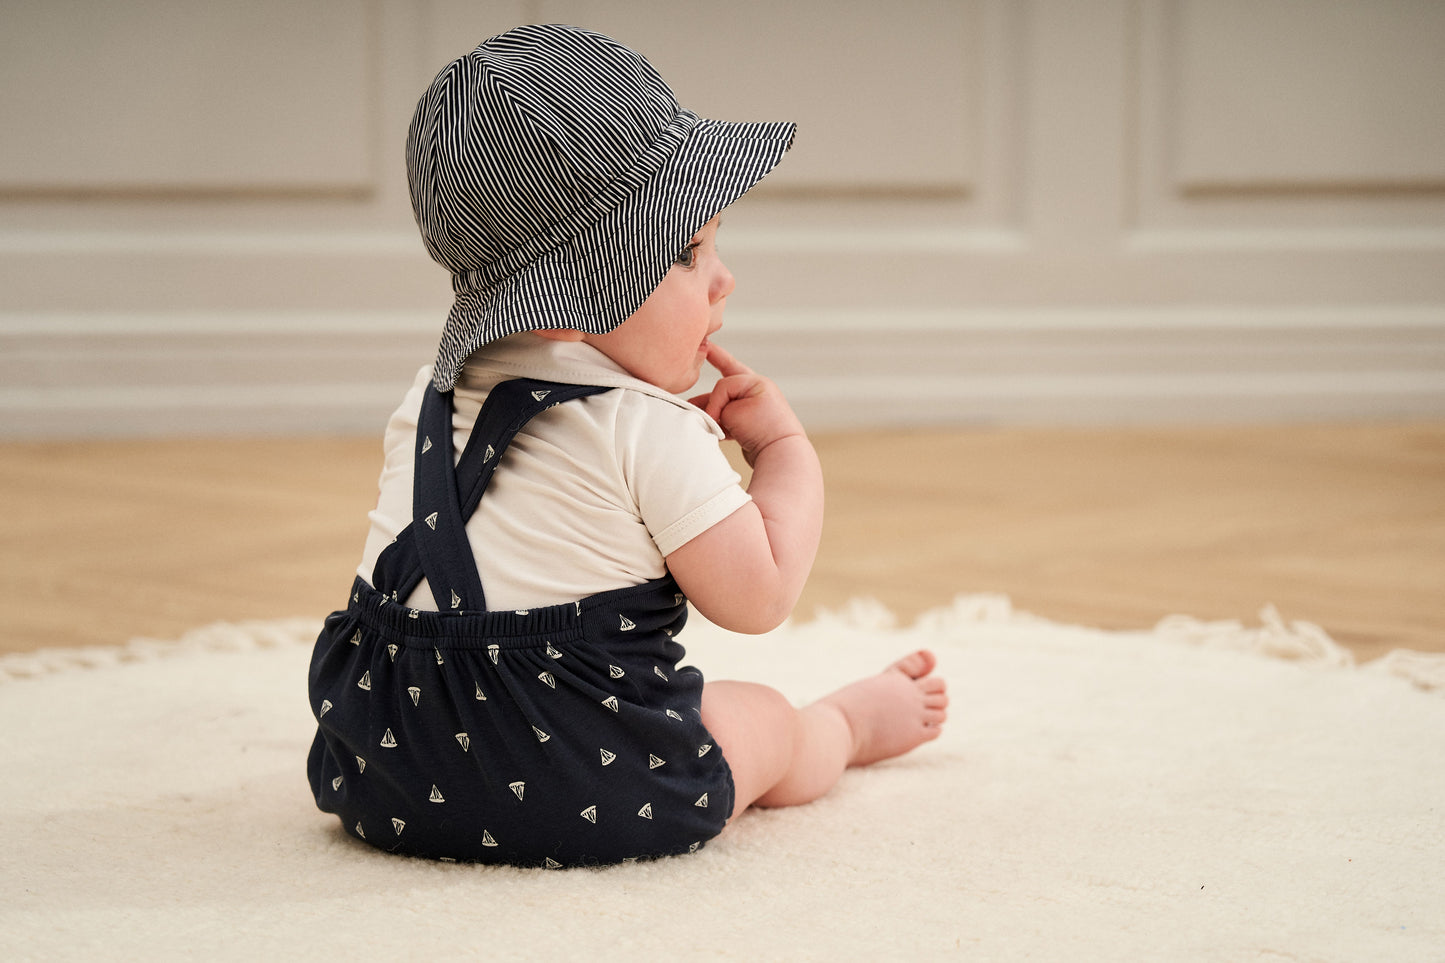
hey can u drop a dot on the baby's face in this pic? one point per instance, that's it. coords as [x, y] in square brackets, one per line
[665, 342]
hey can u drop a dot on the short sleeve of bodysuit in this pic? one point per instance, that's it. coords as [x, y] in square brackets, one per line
[670, 461]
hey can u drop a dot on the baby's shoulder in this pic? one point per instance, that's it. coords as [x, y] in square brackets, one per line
[653, 415]
[641, 433]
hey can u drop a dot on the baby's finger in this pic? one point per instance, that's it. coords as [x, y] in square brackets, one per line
[713, 402]
[733, 388]
[723, 361]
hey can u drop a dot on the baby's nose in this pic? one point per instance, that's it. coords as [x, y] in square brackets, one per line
[723, 283]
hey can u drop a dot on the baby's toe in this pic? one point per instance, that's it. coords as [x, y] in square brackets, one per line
[916, 665]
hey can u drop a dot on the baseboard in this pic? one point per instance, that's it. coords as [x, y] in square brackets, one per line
[122, 375]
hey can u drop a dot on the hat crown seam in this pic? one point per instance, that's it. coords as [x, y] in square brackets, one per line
[560, 149]
[558, 232]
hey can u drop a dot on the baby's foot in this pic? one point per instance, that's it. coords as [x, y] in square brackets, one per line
[894, 711]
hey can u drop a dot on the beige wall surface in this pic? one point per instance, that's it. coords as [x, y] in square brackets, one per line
[996, 211]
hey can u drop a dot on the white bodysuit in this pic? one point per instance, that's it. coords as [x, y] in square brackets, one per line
[592, 494]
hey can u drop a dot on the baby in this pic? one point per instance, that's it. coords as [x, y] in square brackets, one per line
[548, 460]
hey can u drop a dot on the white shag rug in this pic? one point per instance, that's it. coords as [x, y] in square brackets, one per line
[1198, 792]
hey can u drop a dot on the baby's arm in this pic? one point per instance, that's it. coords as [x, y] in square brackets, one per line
[746, 572]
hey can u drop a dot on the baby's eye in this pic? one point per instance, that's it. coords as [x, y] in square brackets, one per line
[687, 257]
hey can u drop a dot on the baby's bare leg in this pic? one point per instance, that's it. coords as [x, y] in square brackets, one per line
[783, 756]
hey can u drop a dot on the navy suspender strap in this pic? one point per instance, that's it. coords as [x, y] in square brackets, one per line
[435, 544]
[437, 522]
[517, 402]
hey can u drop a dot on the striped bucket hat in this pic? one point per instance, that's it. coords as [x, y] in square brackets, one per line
[554, 174]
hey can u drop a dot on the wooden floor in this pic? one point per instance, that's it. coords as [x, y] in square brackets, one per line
[1343, 526]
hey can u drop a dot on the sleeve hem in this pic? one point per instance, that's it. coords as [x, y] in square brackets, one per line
[700, 519]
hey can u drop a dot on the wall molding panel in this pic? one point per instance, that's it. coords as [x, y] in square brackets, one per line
[1330, 97]
[1281, 114]
[162, 98]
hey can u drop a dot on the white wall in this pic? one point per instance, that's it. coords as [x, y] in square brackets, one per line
[996, 211]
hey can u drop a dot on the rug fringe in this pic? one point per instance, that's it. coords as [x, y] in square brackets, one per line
[1295, 641]
[216, 637]
[865, 612]
[1424, 670]
[1275, 638]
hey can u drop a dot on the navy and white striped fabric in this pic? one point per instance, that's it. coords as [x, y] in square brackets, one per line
[554, 174]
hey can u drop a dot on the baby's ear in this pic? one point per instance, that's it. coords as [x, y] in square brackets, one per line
[559, 334]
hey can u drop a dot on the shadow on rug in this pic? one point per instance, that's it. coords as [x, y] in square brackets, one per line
[1202, 791]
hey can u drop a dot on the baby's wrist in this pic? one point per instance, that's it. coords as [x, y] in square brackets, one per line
[777, 442]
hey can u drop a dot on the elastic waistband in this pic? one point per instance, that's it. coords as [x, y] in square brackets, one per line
[593, 617]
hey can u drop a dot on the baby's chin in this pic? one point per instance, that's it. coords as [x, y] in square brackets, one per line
[678, 383]
[683, 383]
[682, 386]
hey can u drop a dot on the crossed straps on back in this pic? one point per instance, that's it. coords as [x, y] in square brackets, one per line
[435, 544]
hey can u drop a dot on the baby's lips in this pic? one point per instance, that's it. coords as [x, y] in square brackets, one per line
[724, 362]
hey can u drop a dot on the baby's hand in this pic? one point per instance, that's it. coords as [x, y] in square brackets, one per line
[750, 408]
[745, 573]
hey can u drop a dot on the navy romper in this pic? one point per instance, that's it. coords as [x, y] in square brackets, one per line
[560, 736]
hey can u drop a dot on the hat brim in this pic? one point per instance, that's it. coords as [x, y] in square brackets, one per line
[600, 276]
